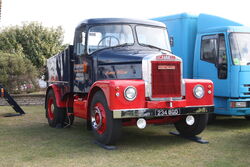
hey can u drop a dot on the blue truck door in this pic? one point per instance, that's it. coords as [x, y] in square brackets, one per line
[212, 62]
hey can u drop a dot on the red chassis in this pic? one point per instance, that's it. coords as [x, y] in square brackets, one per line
[155, 111]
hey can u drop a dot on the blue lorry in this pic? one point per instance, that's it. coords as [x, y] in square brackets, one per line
[217, 49]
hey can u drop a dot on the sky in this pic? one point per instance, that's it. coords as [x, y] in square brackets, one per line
[69, 13]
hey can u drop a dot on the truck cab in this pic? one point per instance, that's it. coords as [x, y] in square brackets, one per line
[114, 49]
[228, 67]
[217, 49]
[121, 72]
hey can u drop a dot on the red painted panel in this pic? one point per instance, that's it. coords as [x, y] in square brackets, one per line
[80, 107]
[58, 94]
[166, 104]
[114, 92]
[207, 98]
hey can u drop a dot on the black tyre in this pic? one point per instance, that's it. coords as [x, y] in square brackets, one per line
[247, 117]
[56, 116]
[211, 118]
[196, 124]
[105, 129]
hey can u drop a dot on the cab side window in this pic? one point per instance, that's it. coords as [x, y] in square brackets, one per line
[79, 41]
[213, 50]
[209, 48]
[222, 58]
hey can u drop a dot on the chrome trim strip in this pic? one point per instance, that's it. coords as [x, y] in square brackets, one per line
[152, 113]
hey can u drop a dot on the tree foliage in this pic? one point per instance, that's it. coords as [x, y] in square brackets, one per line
[16, 71]
[34, 41]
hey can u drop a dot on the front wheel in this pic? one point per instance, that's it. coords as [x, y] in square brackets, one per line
[105, 129]
[192, 125]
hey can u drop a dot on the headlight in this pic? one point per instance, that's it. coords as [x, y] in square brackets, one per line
[130, 93]
[198, 91]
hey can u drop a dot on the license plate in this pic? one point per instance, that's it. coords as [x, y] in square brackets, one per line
[167, 112]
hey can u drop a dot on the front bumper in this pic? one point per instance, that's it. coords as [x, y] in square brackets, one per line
[223, 107]
[151, 113]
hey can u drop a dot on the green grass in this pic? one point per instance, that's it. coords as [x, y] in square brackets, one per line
[29, 141]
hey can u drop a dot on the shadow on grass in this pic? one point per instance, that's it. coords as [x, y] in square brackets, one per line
[79, 138]
[151, 137]
[230, 123]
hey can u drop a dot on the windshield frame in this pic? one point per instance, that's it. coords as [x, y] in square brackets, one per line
[144, 44]
[230, 46]
[108, 24]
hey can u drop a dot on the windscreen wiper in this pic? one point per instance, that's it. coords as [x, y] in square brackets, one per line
[152, 46]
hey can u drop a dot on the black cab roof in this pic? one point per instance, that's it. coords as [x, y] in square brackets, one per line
[121, 21]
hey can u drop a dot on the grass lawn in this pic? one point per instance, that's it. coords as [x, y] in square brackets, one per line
[29, 141]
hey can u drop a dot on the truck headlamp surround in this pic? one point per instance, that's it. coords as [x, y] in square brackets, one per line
[198, 91]
[130, 93]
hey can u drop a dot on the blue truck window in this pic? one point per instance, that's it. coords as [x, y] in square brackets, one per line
[240, 48]
[222, 58]
[209, 48]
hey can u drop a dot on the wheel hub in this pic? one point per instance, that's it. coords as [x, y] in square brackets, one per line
[96, 118]
[51, 109]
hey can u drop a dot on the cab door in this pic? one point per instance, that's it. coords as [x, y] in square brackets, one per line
[82, 62]
[212, 62]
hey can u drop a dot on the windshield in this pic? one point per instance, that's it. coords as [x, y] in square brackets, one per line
[153, 36]
[105, 36]
[240, 48]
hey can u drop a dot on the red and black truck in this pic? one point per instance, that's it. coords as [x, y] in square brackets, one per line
[121, 72]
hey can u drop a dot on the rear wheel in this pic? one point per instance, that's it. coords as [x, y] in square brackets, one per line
[56, 116]
[105, 129]
[192, 125]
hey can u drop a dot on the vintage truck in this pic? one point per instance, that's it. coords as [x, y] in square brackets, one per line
[218, 49]
[121, 72]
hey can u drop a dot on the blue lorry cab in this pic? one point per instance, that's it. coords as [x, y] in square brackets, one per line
[217, 49]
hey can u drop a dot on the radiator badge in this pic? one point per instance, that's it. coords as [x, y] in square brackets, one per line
[166, 67]
[165, 57]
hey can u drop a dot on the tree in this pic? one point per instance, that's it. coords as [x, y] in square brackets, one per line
[16, 72]
[0, 9]
[34, 41]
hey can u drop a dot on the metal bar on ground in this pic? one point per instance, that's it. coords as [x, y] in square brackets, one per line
[193, 138]
[11, 102]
